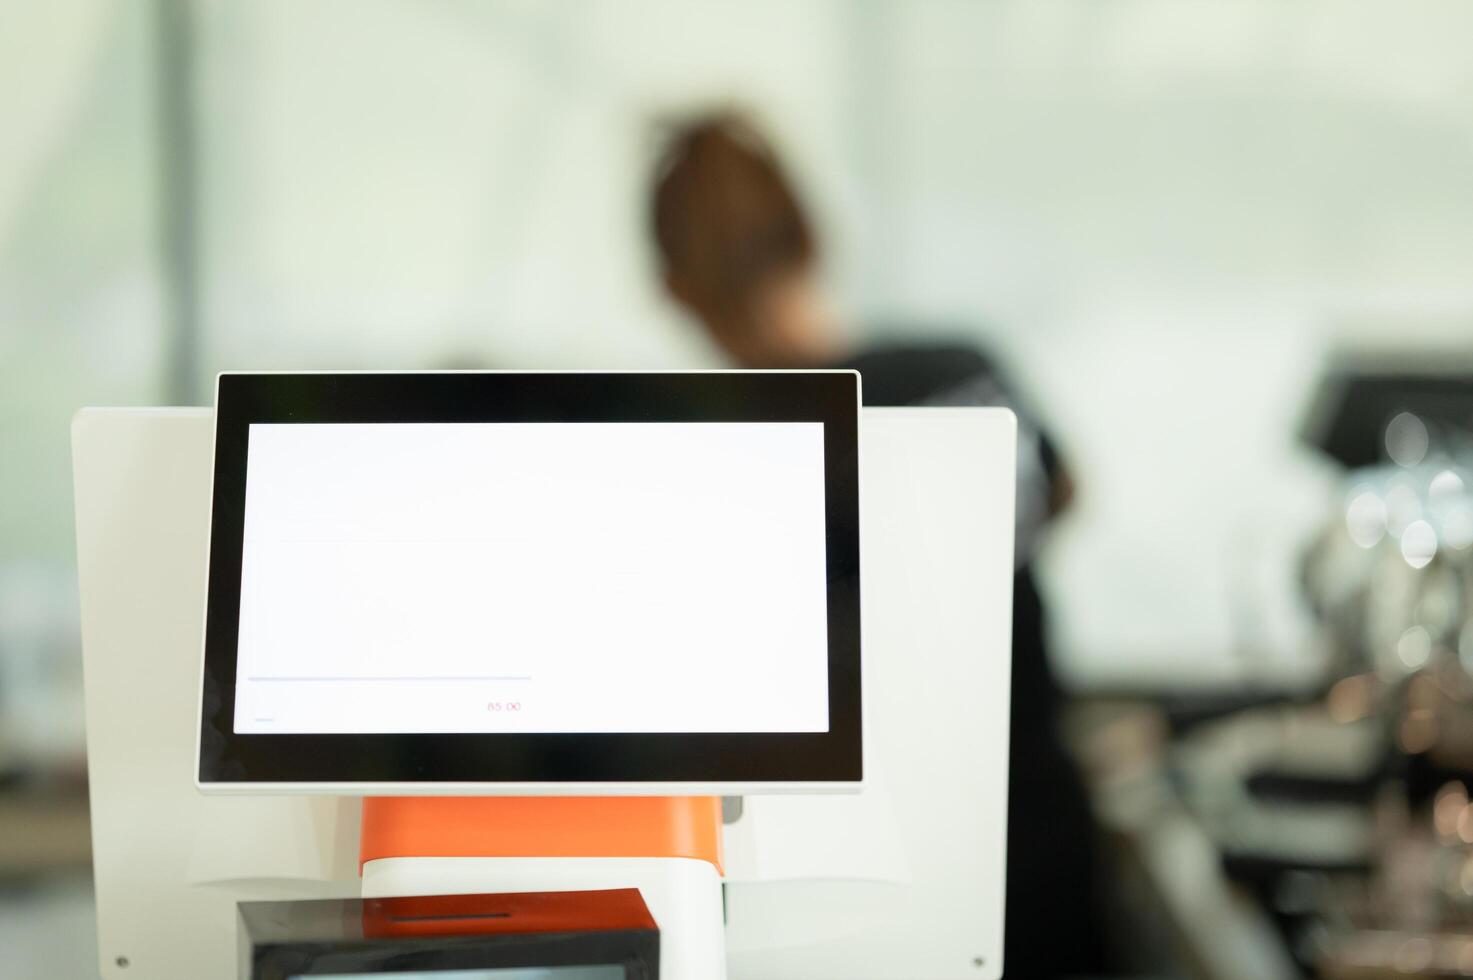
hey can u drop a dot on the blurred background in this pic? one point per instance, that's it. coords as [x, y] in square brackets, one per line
[1224, 250]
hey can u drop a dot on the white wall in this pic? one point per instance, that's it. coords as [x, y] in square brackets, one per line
[1171, 211]
[1161, 212]
[79, 320]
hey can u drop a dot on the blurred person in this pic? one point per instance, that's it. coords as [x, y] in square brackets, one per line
[739, 254]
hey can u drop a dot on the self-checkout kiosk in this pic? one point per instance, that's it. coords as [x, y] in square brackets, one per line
[501, 676]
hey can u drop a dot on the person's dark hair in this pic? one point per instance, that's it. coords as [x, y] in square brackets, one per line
[725, 217]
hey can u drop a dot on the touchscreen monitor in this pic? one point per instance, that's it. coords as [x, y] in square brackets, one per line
[541, 581]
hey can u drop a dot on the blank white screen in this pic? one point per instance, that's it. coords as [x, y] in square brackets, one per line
[533, 577]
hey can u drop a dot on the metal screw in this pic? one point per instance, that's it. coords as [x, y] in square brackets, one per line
[978, 962]
[122, 962]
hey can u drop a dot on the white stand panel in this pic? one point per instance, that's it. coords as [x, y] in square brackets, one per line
[170, 864]
[904, 880]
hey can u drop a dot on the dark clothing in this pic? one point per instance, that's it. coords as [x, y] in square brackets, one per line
[1052, 925]
[955, 375]
[913, 375]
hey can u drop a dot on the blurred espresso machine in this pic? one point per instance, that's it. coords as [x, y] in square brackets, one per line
[1390, 581]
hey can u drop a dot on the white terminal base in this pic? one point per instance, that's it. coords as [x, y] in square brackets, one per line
[683, 894]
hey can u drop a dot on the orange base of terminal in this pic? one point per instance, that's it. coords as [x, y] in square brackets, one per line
[542, 826]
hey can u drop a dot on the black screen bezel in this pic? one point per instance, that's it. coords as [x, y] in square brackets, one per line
[830, 397]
